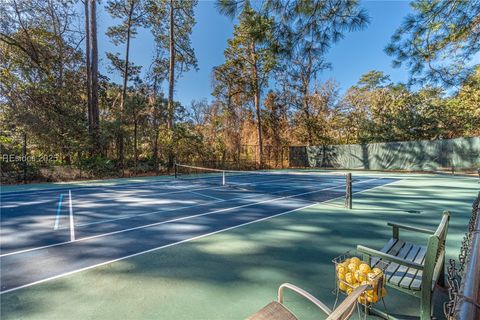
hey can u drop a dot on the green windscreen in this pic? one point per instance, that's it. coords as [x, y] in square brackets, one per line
[423, 155]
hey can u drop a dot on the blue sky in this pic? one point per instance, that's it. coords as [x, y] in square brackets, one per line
[353, 56]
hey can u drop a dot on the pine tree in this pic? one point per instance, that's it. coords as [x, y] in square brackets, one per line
[172, 22]
[132, 15]
[251, 54]
[438, 41]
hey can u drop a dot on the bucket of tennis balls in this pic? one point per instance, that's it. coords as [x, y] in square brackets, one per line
[351, 272]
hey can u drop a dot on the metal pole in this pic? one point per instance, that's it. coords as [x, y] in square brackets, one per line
[175, 169]
[348, 196]
[223, 178]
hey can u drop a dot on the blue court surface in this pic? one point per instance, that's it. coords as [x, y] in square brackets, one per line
[47, 234]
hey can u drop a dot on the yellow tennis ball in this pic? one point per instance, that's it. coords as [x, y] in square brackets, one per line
[360, 276]
[370, 292]
[362, 299]
[355, 260]
[346, 262]
[365, 268]
[342, 286]
[377, 271]
[372, 298]
[350, 278]
[372, 278]
[352, 266]
[341, 276]
[349, 291]
[341, 268]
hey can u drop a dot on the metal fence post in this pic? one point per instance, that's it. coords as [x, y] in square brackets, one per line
[348, 193]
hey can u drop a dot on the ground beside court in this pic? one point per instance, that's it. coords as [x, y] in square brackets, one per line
[232, 274]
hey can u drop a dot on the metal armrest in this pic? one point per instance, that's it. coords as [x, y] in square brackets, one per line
[304, 294]
[345, 309]
[389, 257]
[397, 226]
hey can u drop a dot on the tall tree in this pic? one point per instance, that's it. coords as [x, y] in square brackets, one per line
[463, 110]
[311, 24]
[298, 75]
[41, 70]
[252, 53]
[172, 22]
[88, 69]
[132, 15]
[303, 32]
[94, 77]
[275, 125]
[91, 57]
[156, 75]
[308, 29]
[438, 40]
[230, 92]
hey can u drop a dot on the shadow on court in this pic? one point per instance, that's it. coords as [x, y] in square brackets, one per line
[231, 274]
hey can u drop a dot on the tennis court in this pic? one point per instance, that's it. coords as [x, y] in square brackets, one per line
[213, 247]
[66, 230]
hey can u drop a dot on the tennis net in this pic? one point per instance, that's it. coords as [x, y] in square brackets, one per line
[313, 184]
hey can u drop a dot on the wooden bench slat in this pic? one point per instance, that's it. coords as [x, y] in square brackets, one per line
[402, 270]
[392, 268]
[417, 281]
[392, 247]
[385, 249]
[413, 278]
[431, 257]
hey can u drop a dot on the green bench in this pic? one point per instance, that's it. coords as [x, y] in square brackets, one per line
[412, 268]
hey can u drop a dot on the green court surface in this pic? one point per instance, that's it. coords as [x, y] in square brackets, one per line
[232, 274]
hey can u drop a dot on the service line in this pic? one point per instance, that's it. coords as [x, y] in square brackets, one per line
[59, 208]
[184, 218]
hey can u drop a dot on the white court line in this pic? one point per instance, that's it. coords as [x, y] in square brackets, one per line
[206, 196]
[57, 215]
[136, 192]
[179, 219]
[127, 185]
[132, 185]
[86, 187]
[178, 242]
[177, 190]
[153, 249]
[183, 190]
[181, 208]
[361, 191]
[72, 226]
[130, 216]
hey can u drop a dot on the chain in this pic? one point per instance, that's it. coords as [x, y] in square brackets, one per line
[453, 286]
[454, 273]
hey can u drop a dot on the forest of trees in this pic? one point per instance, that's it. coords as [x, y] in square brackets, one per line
[54, 101]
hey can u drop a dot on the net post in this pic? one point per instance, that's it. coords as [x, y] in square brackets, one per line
[348, 194]
[223, 177]
[175, 169]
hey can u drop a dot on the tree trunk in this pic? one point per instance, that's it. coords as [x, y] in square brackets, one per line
[155, 150]
[155, 124]
[171, 70]
[256, 100]
[87, 57]
[306, 107]
[171, 85]
[135, 145]
[94, 78]
[124, 91]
